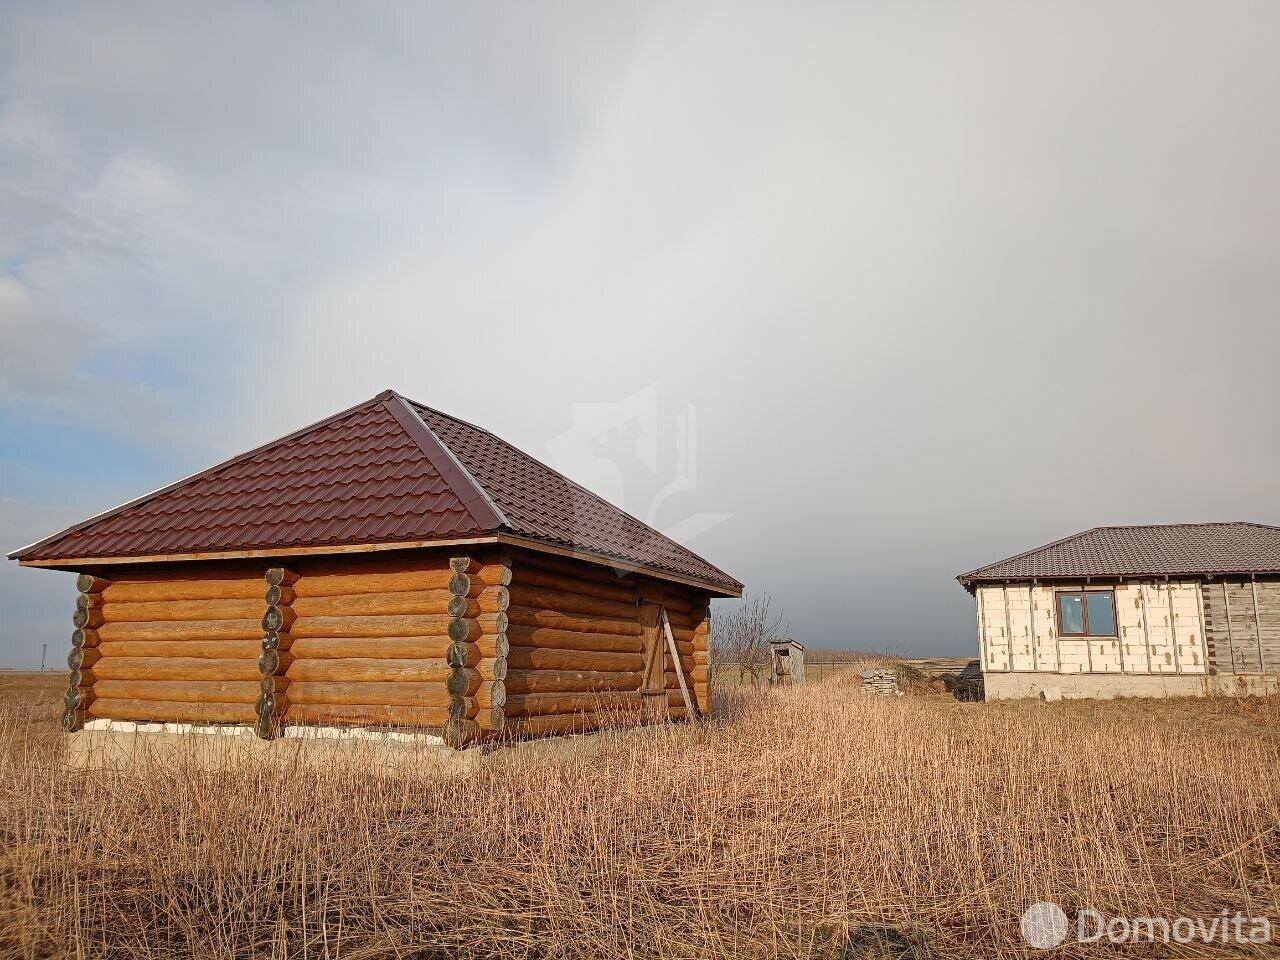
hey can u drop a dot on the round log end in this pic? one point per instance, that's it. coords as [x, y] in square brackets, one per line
[459, 630]
[502, 598]
[81, 618]
[72, 719]
[276, 576]
[267, 726]
[457, 606]
[271, 640]
[268, 662]
[273, 619]
[460, 584]
[84, 582]
[461, 564]
[459, 682]
[456, 655]
[459, 733]
[75, 659]
[78, 637]
[273, 594]
[498, 694]
[497, 719]
[500, 668]
[501, 647]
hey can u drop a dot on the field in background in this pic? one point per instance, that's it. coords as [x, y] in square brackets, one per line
[802, 817]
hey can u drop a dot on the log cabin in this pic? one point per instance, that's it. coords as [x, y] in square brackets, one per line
[1139, 611]
[389, 566]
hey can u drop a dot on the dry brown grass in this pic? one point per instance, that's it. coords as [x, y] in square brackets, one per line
[804, 814]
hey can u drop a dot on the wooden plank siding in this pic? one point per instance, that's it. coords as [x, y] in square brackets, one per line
[1240, 640]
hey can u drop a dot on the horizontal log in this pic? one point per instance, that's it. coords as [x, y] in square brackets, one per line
[524, 636]
[701, 674]
[463, 682]
[205, 649]
[545, 704]
[87, 583]
[373, 580]
[491, 575]
[361, 669]
[170, 711]
[491, 719]
[491, 694]
[183, 630]
[391, 648]
[164, 610]
[493, 646]
[85, 638]
[88, 619]
[535, 617]
[464, 655]
[179, 691]
[389, 626]
[175, 668]
[281, 577]
[531, 576]
[149, 591]
[432, 602]
[538, 658]
[272, 661]
[381, 714]
[562, 601]
[83, 658]
[492, 600]
[569, 681]
[408, 693]
[580, 569]
[278, 618]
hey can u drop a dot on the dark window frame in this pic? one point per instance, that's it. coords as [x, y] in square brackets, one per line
[1084, 613]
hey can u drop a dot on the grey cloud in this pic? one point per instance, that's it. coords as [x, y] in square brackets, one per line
[942, 282]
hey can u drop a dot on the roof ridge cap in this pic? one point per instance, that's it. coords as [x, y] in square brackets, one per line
[478, 503]
[571, 482]
[221, 464]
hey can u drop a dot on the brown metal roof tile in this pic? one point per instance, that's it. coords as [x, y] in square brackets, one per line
[1178, 549]
[385, 470]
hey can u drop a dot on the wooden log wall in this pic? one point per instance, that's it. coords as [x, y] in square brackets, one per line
[169, 646]
[473, 646]
[578, 642]
[375, 642]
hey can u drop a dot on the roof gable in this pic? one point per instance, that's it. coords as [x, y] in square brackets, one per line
[1182, 549]
[386, 471]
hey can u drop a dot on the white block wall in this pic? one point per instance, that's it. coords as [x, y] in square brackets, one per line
[1159, 628]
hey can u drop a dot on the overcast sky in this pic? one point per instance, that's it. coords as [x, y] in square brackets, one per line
[850, 297]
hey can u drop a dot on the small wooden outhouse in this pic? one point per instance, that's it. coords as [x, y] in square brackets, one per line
[389, 566]
[787, 657]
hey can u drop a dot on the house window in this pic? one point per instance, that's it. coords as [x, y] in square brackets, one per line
[1087, 613]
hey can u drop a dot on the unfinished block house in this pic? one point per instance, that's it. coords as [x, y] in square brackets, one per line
[1177, 610]
[389, 566]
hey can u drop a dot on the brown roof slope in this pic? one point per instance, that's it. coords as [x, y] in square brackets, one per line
[383, 471]
[1183, 549]
[542, 504]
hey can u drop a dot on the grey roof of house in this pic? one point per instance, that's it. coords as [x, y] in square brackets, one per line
[1175, 549]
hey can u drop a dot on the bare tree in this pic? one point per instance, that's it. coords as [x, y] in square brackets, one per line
[740, 639]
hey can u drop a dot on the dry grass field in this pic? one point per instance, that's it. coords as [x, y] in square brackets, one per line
[799, 819]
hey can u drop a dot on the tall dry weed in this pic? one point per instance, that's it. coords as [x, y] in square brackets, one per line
[804, 815]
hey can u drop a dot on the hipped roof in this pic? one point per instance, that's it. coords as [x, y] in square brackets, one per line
[387, 471]
[1176, 549]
